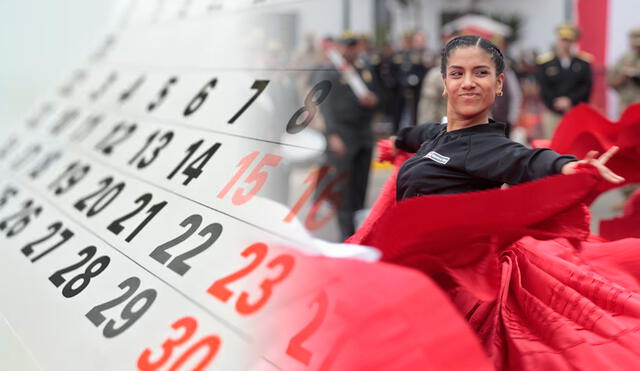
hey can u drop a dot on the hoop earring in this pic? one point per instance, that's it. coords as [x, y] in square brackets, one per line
[499, 93]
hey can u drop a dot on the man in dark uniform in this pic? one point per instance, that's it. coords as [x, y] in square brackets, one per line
[385, 75]
[564, 77]
[411, 69]
[349, 134]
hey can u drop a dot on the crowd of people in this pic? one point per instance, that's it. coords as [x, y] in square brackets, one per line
[406, 88]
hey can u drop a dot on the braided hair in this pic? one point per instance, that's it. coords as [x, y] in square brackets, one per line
[469, 41]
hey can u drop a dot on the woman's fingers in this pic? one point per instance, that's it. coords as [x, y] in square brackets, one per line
[590, 156]
[609, 175]
[607, 155]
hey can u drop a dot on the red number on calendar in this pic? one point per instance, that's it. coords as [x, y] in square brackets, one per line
[244, 305]
[312, 221]
[149, 362]
[295, 348]
[257, 176]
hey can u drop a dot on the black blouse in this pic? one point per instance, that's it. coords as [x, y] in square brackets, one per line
[470, 159]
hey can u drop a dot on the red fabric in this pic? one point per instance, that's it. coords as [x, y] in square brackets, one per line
[522, 266]
[395, 319]
[628, 225]
[593, 17]
[584, 129]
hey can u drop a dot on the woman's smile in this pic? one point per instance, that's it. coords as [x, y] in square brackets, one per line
[471, 82]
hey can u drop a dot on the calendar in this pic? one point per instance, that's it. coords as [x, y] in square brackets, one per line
[148, 217]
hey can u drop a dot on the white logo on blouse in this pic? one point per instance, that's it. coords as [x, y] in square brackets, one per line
[435, 156]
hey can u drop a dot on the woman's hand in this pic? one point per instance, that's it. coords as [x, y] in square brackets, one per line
[598, 163]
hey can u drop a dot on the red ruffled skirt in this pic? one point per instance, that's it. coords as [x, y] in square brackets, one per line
[521, 266]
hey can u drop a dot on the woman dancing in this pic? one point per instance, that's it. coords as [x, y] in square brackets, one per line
[471, 152]
[520, 264]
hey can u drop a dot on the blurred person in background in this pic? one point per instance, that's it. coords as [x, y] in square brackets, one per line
[305, 60]
[624, 76]
[432, 106]
[349, 134]
[385, 74]
[564, 76]
[506, 107]
[433, 103]
[532, 106]
[411, 71]
[365, 48]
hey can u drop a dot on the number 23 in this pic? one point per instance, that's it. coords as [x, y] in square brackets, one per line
[219, 290]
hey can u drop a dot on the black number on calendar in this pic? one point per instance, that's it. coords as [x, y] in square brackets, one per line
[104, 196]
[108, 82]
[118, 135]
[80, 282]
[44, 111]
[18, 221]
[199, 99]
[194, 168]
[259, 85]
[315, 97]
[65, 119]
[162, 94]
[28, 154]
[77, 77]
[54, 231]
[155, 143]
[8, 147]
[71, 176]
[104, 49]
[116, 226]
[128, 93]
[45, 164]
[131, 313]
[7, 194]
[177, 264]
[87, 127]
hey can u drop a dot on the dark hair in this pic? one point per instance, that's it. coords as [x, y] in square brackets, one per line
[469, 41]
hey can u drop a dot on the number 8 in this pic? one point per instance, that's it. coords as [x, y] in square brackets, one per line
[310, 106]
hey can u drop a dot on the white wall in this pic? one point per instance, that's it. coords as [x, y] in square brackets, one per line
[540, 17]
[324, 17]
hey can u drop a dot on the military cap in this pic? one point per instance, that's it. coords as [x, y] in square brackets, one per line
[408, 33]
[567, 31]
[348, 38]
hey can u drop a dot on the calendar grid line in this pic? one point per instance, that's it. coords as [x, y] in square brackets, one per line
[227, 324]
[177, 123]
[141, 179]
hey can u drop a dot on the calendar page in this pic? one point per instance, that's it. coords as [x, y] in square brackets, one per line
[149, 218]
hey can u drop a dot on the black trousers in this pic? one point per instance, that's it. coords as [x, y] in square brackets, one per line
[351, 173]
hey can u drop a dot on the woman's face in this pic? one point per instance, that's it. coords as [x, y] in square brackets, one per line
[470, 82]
